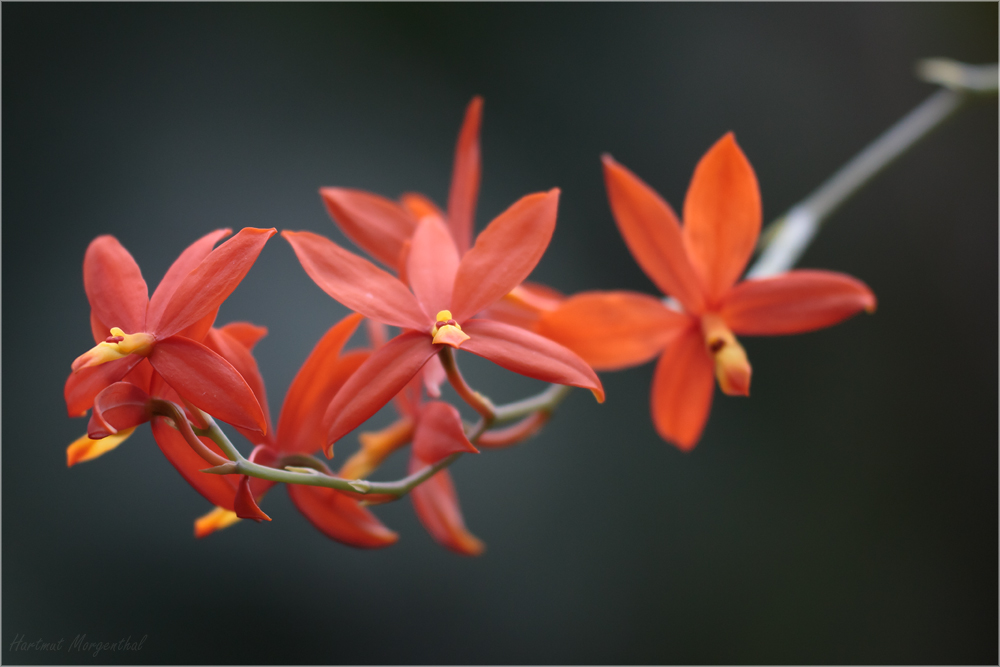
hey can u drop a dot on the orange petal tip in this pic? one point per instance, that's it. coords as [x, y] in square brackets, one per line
[217, 519]
[85, 449]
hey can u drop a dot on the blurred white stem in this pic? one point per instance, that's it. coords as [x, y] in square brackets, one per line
[785, 240]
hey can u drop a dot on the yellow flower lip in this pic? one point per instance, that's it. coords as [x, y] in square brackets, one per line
[732, 368]
[447, 331]
[116, 346]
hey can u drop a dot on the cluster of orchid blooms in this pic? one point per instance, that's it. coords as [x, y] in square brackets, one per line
[162, 360]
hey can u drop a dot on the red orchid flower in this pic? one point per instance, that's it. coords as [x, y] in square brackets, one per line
[435, 428]
[129, 327]
[122, 406]
[698, 265]
[447, 292]
[337, 515]
[384, 228]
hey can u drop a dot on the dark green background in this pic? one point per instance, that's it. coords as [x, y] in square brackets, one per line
[845, 513]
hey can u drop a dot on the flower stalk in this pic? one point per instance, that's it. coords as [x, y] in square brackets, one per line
[784, 241]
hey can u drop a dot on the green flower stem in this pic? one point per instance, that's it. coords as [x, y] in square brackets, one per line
[544, 402]
[477, 401]
[783, 241]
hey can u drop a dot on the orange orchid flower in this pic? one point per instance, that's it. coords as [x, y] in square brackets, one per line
[300, 430]
[384, 228]
[447, 292]
[435, 428]
[166, 330]
[698, 265]
[122, 406]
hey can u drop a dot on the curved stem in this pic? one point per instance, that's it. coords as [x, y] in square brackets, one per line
[784, 240]
[477, 401]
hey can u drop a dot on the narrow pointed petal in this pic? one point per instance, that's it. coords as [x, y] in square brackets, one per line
[653, 235]
[119, 407]
[465, 176]
[114, 285]
[434, 376]
[356, 282]
[431, 265]
[244, 505]
[375, 383]
[722, 215]
[524, 305]
[208, 381]
[199, 329]
[436, 504]
[81, 387]
[241, 359]
[505, 253]
[376, 447]
[212, 281]
[377, 225]
[268, 456]
[85, 449]
[300, 426]
[795, 302]
[99, 329]
[246, 333]
[612, 330]
[682, 390]
[340, 518]
[217, 519]
[419, 205]
[187, 262]
[217, 489]
[440, 433]
[529, 354]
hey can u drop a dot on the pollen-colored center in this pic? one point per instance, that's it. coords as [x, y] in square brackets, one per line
[446, 331]
[116, 346]
[732, 369]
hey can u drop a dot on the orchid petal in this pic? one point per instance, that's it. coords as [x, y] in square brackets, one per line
[524, 304]
[356, 282]
[612, 330]
[212, 281]
[436, 504]
[722, 216]
[439, 433]
[653, 235]
[217, 489]
[433, 376]
[340, 518]
[377, 225]
[375, 383]
[217, 519]
[505, 253]
[244, 505]
[465, 177]
[81, 387]
[118, 407]
[265, 456]
[208, 381]
[114, 285]
[247, 334]
[300, 426]
[795, 302]
[529, 354]
[85, 448]
[431, 266]
[419, 205]
[241, 359]
[682, 390]
[187, 262]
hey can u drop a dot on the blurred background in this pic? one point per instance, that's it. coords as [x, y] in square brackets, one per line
[845, 513]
